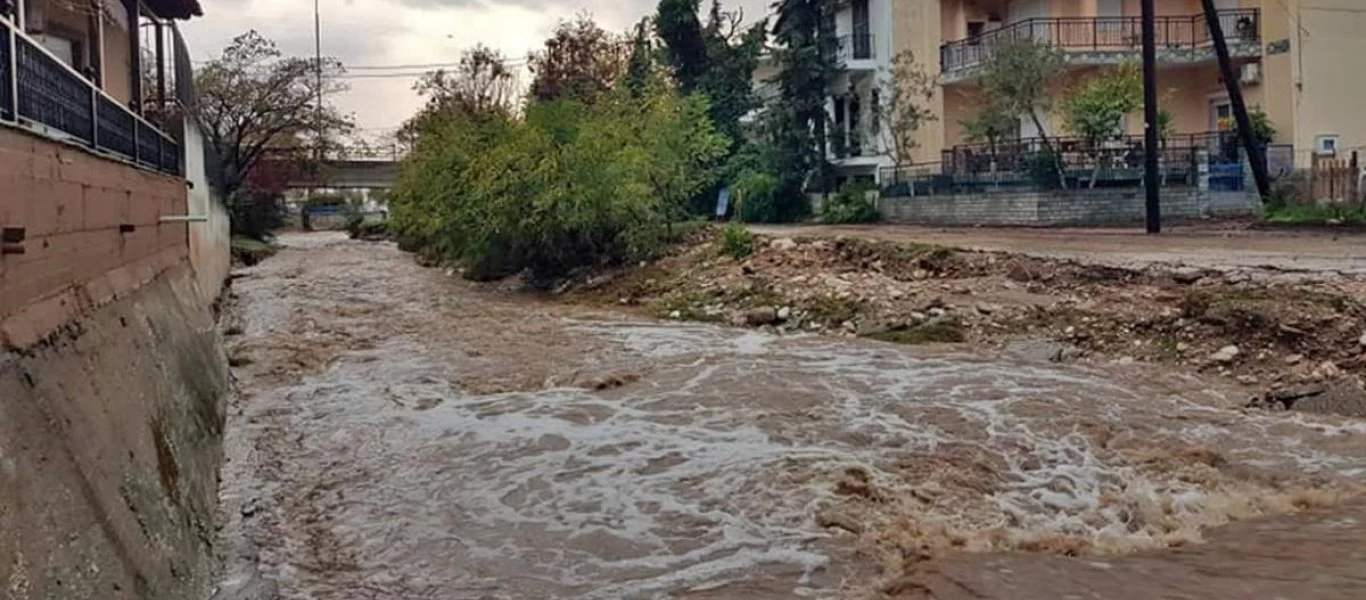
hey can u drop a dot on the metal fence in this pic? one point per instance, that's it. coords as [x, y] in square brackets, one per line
[1100, 34]
[1026, 164]
[37, 88]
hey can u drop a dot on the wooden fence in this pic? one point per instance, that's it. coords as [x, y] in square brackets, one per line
[1336, 179]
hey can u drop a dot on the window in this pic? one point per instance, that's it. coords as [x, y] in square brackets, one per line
[1326, 145]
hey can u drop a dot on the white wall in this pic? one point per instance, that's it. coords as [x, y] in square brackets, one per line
[209, 241]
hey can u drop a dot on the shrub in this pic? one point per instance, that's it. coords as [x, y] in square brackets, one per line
[570, 185]
[1291, 189]
[736, 241]
[1043, 167]
[249, 251]
[254, 214]
[850, 205]
[756, 197]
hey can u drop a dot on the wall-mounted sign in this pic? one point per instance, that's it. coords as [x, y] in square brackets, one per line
[1278, 47]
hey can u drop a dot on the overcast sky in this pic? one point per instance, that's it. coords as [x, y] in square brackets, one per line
[399, 32]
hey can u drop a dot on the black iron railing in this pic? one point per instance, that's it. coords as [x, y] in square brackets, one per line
[38, 89]
[1016, 155]
[858, 46]
[1101, 34]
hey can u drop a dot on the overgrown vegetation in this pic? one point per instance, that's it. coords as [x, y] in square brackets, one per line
[249, 251]
[736, 241]
[1095, 111]
[933, 331]
[851, 205]
[1017, 80]
[589, 173]
[1328, 214]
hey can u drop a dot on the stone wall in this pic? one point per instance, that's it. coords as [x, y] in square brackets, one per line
[1064, 208]
[110, 442]
[91, 232]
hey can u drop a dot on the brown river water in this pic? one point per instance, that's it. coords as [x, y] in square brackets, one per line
[400, 433]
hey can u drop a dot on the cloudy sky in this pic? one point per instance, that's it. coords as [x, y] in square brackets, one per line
[370, 33]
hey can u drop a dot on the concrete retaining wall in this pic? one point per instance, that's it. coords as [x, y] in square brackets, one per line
[210, 240]
[1064, 208]
[110, 442]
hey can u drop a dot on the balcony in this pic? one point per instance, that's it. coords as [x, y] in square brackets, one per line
[1106, 40]
[39, 91]
[856, 47]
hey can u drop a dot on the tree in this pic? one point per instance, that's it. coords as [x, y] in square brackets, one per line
[806, 58]
[253, 100]
[1017, 79]
[580, 61]
[991, 125]
[899, 116]
[1095, 112]
[480, 87]
[717, 59]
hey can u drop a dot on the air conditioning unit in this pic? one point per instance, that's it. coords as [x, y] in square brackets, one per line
[1251, 74]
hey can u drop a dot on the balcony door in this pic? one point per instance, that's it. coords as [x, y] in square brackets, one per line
[862, 40]
[1023, 10]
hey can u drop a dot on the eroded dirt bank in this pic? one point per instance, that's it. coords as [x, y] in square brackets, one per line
[405, 434]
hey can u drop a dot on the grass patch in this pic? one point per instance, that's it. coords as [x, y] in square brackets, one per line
[250, 251]
[736, 241]
[1316, 215]
[832, 309]
[934, 331]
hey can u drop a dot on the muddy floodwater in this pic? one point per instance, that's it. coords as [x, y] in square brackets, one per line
[403, 434]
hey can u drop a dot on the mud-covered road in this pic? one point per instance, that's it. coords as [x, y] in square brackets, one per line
[404, 434]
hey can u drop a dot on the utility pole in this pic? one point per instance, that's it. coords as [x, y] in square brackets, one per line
[1151, 179]
[1256, 155]
[318, 64]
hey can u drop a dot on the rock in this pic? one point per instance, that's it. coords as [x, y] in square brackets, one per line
[1333, 222]
[849, 326]
[1347, 399]
[1294, 359]
[917, 316]
[1225, 354]
[785, 313]
[623, 300]
[1187, 275]
[987, 308]
[1182, 346]
[920, 274]
[1362, 340]
[765, 315]
[1247, 379]
[938, 312]
[1327, 370]
[783, 244]
[1125, 360]
[677, 314]
[936, 302]
[1043, 350]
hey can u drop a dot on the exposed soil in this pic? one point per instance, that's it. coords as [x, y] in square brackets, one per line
[1283, 338]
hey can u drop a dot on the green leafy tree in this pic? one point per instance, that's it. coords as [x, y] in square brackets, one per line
[480, 87]
[899, 116]
[1095, 111]
[991, 125]
[798, 122]
[1018, 78]
[717, 58]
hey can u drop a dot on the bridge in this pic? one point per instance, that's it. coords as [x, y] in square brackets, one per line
[351, 168]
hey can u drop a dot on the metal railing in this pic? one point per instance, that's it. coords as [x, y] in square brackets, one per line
[858, 46]
[37, 88]
[1101, 34]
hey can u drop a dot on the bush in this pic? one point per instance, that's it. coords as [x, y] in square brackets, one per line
[249, 251]
[755, 197]
[569, 186]
[1336, 214]
[1043, 168]
[736, 241]
[850, 205]
[1292, 189]
[254, 214]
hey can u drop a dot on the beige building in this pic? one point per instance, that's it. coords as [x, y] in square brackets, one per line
[1297, 60]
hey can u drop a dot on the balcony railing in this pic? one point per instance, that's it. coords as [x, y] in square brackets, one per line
[1101, 34]
[858, 46]
[37, 88]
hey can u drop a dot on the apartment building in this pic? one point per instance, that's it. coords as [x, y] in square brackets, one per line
[1296, 61]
